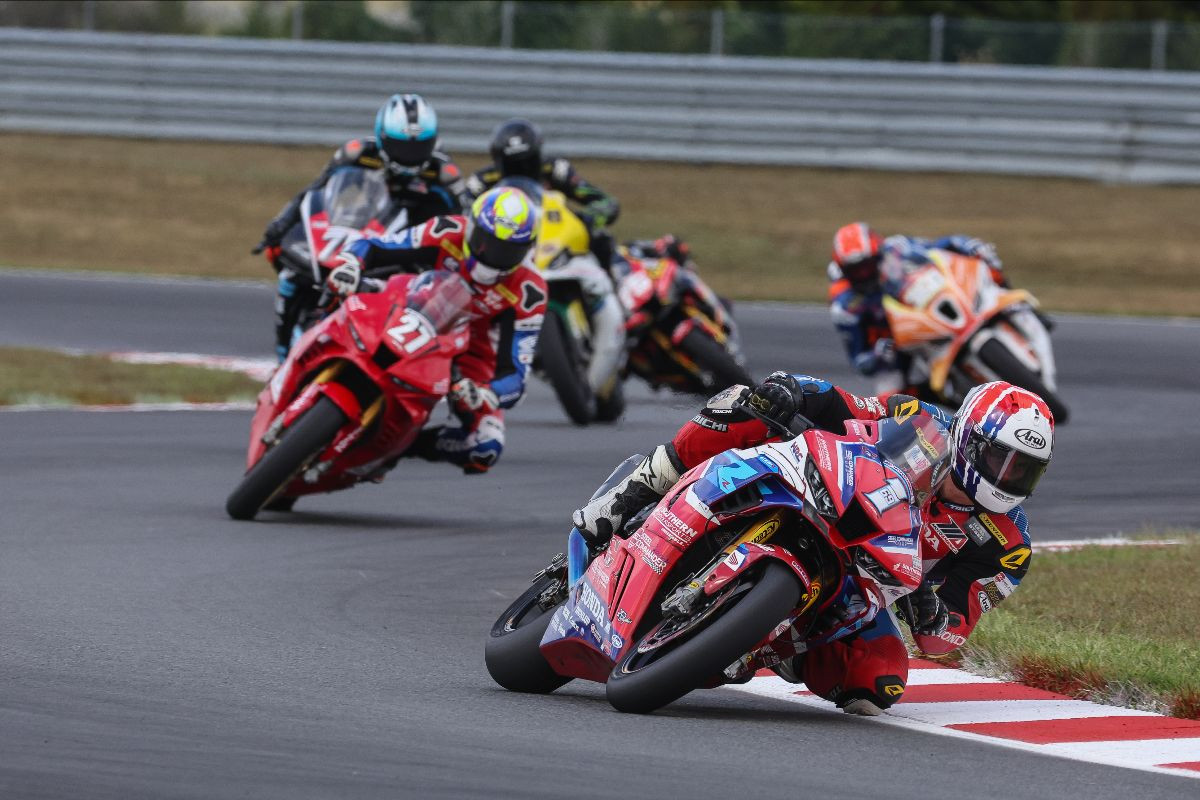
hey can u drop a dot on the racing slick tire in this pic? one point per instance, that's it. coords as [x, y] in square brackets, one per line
[512, 653]
[610, 406]
[305, 438]
[643, 682]
[713, 359]
[997, 357]
[560, 359]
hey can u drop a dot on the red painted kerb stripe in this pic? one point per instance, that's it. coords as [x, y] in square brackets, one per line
[1194, 765]
[955, 692]
[1096, 729]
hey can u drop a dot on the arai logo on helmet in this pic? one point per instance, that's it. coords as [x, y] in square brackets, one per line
[1031, 438]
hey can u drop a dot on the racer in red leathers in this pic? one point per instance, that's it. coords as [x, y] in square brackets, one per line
[489, 247]
[975, 541]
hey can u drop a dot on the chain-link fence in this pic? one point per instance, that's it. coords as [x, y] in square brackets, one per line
[646, 27]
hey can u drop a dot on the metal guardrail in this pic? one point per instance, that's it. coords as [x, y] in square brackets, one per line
[1101, 124]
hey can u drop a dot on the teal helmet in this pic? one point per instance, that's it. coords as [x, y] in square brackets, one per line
[406, 129]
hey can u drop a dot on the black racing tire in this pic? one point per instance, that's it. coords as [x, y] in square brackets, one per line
[639, 688]
[512, 654]
[712, 357]
[560, 360]
[305, 438]
[610, 408]
[997, 358]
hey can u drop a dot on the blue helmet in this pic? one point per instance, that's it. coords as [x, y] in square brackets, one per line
[406, 129]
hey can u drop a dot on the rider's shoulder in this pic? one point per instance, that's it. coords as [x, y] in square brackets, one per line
[527, 291]
[363, 152]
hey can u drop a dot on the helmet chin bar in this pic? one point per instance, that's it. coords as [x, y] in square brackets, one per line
[482, 273]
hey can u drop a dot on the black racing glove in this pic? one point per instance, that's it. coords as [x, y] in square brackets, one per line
[925, 613]
[777, 399]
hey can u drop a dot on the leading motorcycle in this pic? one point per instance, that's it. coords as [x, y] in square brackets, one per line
[733, 569]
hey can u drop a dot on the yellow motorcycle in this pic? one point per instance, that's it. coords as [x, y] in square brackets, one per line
[581, 348]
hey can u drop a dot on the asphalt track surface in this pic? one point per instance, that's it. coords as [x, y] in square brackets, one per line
[150, 647]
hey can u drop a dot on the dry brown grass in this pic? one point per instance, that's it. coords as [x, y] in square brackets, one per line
[760, 233]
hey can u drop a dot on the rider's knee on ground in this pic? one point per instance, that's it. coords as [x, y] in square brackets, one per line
[873, 668]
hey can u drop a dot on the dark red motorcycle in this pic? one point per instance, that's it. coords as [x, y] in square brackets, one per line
[354, 391]
[732, 570]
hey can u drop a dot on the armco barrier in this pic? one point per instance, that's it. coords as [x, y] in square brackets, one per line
[1102, 124]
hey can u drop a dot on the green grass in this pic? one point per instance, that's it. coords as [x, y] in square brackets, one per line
[196, 208]
[1116, 624]
[29, 375]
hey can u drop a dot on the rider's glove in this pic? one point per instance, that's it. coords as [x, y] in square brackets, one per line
[930, 617]
[346, 277]
[466, 395]
[777, 398]
[985, 251]
[674, 248]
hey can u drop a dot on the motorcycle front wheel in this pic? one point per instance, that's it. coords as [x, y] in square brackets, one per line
[677, 656]
[513, 655]
[714, 360]
[304, 439]
[997, 357]
[560, 359]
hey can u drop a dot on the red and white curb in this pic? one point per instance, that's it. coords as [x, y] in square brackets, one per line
[951, 702]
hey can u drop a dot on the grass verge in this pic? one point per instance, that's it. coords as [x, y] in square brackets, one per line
[30, 375]
[1114, 624]
[196, 208]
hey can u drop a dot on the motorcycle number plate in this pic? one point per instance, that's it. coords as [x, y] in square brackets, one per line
[412, 333]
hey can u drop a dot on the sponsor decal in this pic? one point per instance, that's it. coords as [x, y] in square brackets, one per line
[985, 603]
[1016, 558]
[532, 323]
[952, 638]
[951, 534]
[886, 496]
[822, 453]
[736, 558]
[506, 293]
[858, 401]
[768, 462]
[705, 422]
[925, 445]
[875, 407]
[617, 641]
[766, 531]
[1004, 585]
[1031, 438]
[526, 347]
[623, 618]
[993, 529]
[976, 531]
[905, 410]
[589, 600]
[642, 543]
[993, 593]
[677, 531]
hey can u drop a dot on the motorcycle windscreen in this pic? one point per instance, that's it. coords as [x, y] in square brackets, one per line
[353, 197]
[918, 449]
[438, 302]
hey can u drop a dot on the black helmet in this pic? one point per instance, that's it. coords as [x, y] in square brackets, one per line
[517, 148]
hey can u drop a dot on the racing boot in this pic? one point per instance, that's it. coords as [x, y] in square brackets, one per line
[607, 513]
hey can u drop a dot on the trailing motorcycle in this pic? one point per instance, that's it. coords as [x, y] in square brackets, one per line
[580, 347]
[962, 329]
[733, 569]
[681, 334]
[354, 391]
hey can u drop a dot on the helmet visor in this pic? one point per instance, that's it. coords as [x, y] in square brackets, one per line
[408, 152]
[861, 271]
[1010, 471]
[501, 254]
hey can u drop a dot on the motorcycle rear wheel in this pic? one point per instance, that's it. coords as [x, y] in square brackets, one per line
[997, 357]
[712, 358]
[305, 438]
[512, 653]
[559, 357]
[643, 682]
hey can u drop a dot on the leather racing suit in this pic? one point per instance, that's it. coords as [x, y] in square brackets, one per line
[972, 559]
[437, 188]
[506, 319]
[858, 312]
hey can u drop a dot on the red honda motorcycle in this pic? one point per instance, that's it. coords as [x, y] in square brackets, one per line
[354, 392]
[680, 333]
[732, 570]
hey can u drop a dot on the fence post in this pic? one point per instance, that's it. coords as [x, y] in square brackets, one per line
[1158, 44]
[937, 38]
[298, 19]
[716, 42]
[508, 10]
[89, 15]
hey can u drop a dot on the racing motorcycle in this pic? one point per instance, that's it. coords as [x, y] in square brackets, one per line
[962, 329]
[680, 333]
[353, 204]
[734, 569]
[580, 347]
[354, 391]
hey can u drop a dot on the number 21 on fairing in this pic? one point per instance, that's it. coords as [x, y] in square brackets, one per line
[413, 332]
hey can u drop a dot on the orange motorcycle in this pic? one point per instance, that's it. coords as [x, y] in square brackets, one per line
[961, 329]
